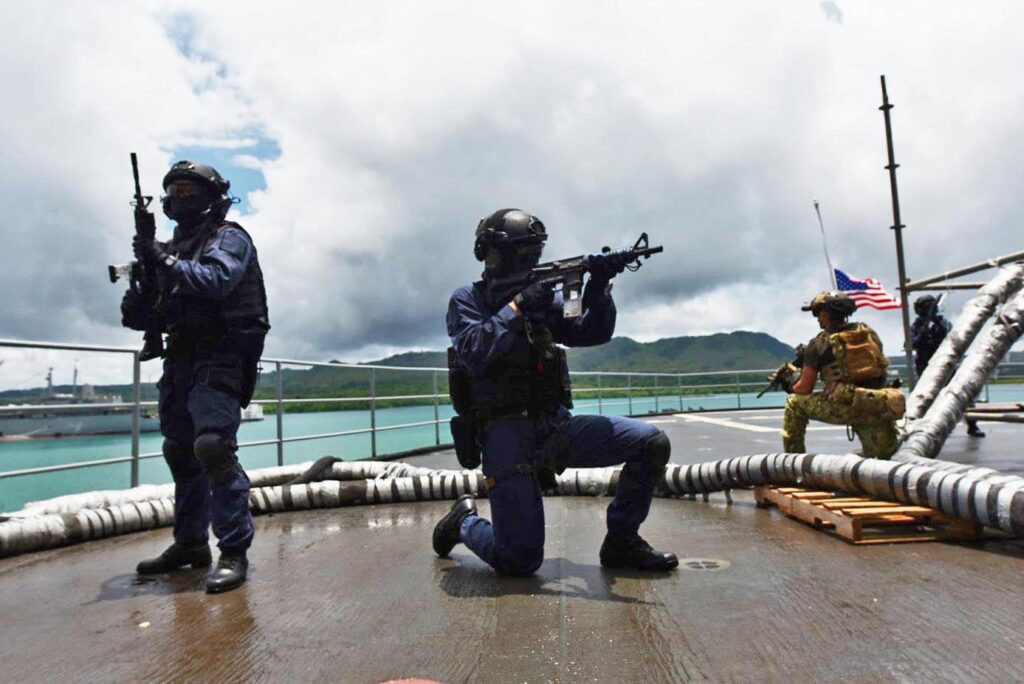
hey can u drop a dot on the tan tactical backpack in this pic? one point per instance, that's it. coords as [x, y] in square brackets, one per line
[858, 355]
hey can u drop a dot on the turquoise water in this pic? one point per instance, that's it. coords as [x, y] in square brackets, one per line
[16, 491]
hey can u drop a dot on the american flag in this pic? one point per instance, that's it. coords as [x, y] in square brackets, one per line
[866, 292]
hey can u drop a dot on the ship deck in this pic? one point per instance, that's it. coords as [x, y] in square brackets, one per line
[356, 595]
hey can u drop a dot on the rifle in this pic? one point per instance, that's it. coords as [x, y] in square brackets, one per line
[785, 371]
[141, 276]
[569, 273]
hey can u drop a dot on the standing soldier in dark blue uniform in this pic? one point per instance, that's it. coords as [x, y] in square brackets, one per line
[214, 311]
[518, 382]
[926, 334]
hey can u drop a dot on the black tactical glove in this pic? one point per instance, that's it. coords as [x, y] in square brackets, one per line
[535, 299]
[150, 251]
[133, 312]
[604, 267]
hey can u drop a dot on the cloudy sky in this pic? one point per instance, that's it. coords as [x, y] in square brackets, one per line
[366, 139]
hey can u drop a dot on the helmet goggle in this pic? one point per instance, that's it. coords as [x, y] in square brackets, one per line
[835, 304]
[536, 235]
[818, 303]
[184, 188]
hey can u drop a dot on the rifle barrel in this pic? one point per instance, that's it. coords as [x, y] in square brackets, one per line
[135, 174]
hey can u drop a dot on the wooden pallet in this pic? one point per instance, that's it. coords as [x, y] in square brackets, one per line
[860, 520]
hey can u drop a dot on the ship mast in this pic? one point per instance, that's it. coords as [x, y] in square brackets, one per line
[897, 227]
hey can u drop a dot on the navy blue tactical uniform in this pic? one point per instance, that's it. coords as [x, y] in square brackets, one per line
[484, 339]
[210, 300]
[926, 334]
[216, 312]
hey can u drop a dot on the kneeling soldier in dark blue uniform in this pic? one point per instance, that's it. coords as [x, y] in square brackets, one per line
[214, 311]
[517, 382]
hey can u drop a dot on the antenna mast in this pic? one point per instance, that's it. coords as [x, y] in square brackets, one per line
[897, 225]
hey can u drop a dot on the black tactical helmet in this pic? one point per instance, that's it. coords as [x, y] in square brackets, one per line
[925, 306]
[206, 176]
[509, 240]
[838, 304]
[180, 201]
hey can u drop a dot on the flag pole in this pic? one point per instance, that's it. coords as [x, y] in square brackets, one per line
[897, 226]
[824, 244]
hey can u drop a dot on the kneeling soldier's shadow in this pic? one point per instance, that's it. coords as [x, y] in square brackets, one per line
[471, 578]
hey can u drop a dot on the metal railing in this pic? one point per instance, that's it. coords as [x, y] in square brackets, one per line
[664, 387]
[135, 405]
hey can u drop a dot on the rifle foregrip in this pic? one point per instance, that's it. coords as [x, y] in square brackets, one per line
[145, 224]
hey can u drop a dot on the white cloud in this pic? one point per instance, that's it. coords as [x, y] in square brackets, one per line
[399, 124]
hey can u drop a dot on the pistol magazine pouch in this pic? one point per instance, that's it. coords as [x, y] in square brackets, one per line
[467, 446]
[464, 425]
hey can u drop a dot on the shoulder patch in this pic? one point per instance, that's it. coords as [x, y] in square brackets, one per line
[235, 242]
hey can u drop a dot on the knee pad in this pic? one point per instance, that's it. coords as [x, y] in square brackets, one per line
[523, 563]
[180, 459]
[657, 451]
[217, 454]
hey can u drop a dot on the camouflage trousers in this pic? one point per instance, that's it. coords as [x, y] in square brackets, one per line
[878, 437]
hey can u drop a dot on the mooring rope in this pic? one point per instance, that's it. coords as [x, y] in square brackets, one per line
[972, 318]
[926, 435]
[978, 495]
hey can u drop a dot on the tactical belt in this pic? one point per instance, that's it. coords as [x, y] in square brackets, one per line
[486, 414]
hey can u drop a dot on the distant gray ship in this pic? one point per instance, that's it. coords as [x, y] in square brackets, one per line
[80, 413]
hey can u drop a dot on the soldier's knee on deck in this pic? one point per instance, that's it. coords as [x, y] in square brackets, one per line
[216, 453]
[522, 561]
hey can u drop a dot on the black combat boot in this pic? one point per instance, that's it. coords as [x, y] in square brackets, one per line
[229, 574]
[176, 557]
[973, 430]
[633, 552]
[446, 533]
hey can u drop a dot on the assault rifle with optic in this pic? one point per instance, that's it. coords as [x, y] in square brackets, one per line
[142, 277]
[569, 273]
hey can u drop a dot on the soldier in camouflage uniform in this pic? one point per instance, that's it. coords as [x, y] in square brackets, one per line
[848, 357]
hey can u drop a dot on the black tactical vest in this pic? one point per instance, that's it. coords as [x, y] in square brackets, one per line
[243, 310]
[529, 379]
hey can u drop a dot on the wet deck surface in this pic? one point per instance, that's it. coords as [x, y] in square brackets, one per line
[356, 595]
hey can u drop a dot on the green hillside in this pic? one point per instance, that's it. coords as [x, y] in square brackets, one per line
[736, 351]
[721, 351]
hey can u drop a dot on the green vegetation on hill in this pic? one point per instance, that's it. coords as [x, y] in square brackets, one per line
[738, 351]
[721, 351]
